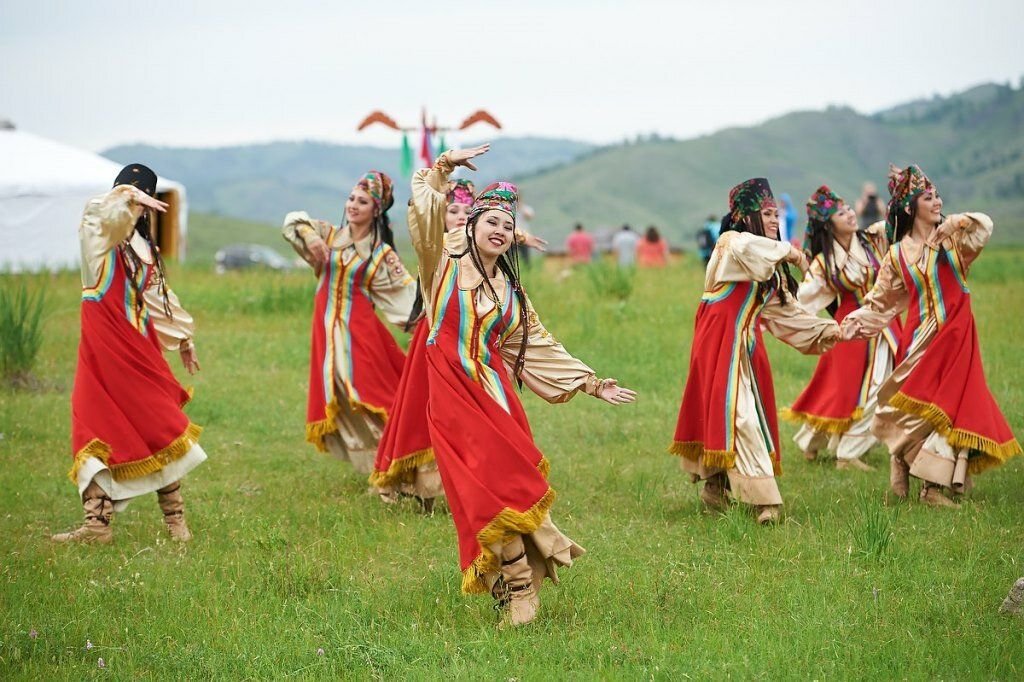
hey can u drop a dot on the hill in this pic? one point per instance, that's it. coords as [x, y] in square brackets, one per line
[263, 182]
[971, 144]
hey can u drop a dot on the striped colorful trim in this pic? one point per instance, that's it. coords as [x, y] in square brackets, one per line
[103, 280]
[717, 294]
[734, 368]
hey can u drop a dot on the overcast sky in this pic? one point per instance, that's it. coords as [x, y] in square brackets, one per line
[204, 73]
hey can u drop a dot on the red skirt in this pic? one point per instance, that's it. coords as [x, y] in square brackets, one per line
[405, 443]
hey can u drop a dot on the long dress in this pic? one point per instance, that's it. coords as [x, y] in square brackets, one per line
[355, 363]
[837, 407]
[494, 476]
[128, 430]
[727, 420]
[936, 412]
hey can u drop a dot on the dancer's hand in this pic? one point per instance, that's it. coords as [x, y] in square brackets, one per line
[535, 242]
[850, 329]
[612, 393]
[798, 258]
[946, 229]
[461, 157]
[318, 251]
[189, 359]
[143, 199]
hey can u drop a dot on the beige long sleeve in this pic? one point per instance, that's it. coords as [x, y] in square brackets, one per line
[549, 370]
[745, 257]
[107, 221]
[887, 299]
[815, 294]
[426, 220]
[393, 289]
[298, 228]
[972, 238]
[789, 323]
[176, 331]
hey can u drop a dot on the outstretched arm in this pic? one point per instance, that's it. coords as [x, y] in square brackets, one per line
[794, 326]
[887, 299]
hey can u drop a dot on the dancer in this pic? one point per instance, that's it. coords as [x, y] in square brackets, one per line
[936, 413]
[485, 334]
[837, 406]
[405, 460]
[355, 363]
[727, 432]
[129, 435]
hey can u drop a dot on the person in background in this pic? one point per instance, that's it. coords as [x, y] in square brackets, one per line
[652, 251]
[706, 238]
[788, 218]
[580, 245]
[869, 207]
[624, 245]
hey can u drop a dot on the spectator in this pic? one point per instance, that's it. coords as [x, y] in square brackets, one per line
[624, 245]
[580, 245]
[652, 251]
[788, 218]
[869, 207]
[706, 238]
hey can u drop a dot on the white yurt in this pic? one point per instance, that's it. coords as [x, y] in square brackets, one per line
[44, 186]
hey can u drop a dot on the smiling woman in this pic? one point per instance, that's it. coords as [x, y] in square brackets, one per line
[484, 333]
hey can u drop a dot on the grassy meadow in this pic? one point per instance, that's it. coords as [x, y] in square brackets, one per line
[295, 572]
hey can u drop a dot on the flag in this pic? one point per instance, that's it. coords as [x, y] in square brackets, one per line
[426, 152]
[407, 160]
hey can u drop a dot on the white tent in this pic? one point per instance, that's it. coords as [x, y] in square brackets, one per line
[44, 185]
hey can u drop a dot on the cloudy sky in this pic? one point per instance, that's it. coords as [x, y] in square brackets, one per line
[207, 73]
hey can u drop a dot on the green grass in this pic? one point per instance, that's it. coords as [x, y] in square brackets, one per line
[291, 555]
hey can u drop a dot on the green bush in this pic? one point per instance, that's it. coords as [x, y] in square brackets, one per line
[610, 281]
[21, 314]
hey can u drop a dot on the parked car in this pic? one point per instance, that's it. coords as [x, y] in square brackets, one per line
[241, 256]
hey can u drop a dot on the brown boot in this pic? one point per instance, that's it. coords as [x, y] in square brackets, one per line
[856, 464]
[714, 495]
[810, 455]
[1014, 602]
[173, 507]
[99, 510]
[518, 579]
[899, 477]
[932, 496]
[769, 514]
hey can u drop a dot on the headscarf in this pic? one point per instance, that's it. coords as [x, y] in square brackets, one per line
[378, 186]
[823, 204]
[460, 191]
[139, 176]
[500, 196]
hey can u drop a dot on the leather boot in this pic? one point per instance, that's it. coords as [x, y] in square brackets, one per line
[517, 576]
[713, 494]
[899, 477]
[99, 510]
[932, 496]
[769, 514]
[173, 507]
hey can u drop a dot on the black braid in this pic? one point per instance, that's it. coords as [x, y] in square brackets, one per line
[136, 266]
[508, 264]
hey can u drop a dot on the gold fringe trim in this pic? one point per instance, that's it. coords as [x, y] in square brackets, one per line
[544, 466]
[316, 431]
[129, 470]
[401, 468]
[503, 527]
[694, 451]
[191, 390]
[822, 424]
[993, 454]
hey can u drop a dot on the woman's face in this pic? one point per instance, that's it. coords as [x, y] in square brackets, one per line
[359, 208]
[844, 221]
[770, 221]
[455, 216]
[493, 233]
[929, 207]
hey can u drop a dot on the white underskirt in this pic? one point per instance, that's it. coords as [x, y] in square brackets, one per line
[122, 492]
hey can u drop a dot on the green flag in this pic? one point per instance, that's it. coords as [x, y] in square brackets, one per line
[406, 166]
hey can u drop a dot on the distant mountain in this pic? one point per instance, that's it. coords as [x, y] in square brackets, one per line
[971, 144]
[263, 182]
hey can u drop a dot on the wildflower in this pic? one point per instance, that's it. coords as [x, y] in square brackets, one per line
[32, 634]
[88, 644]
[100, 663]
[320, 651]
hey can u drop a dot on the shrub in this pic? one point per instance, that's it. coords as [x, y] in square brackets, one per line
[21, 335]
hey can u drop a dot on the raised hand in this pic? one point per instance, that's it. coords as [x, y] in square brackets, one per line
[612, 393]
[144, 199]
[535, 242]
[850, 329]
[798, 258]
[461, 157]
[946, 229]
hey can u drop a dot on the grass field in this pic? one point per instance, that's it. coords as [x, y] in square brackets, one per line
[296, 572]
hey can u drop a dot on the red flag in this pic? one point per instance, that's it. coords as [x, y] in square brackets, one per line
[426, 152]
